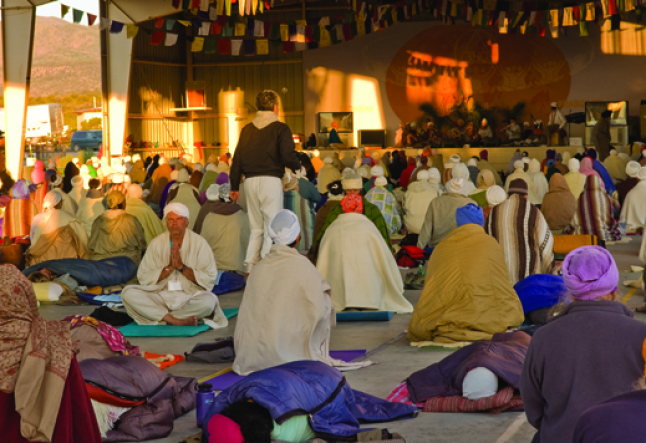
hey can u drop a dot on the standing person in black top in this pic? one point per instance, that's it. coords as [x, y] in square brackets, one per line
[265, 149]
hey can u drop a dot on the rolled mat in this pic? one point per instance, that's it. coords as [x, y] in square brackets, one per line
[365, 316]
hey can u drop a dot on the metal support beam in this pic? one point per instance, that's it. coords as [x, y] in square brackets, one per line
[18, 26]
[116, 63]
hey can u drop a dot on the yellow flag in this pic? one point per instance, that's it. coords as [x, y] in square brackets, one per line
[554, 18]
[326, 40]
[361, 27]
[476, 18]
[394, 14]
[131, 31]
[198, 44]
[184, 22]
[301, 22]
[262, 47]
[568, 17]
[589, 12]
[240, 29]
[227, 7]
[220, 7]
[284, 32]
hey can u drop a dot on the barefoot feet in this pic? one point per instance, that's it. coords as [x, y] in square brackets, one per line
[189, 321]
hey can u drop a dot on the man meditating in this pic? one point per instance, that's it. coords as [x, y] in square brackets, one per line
[176, 277]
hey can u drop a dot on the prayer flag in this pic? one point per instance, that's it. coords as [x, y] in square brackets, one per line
[224, 46]
[159, 23]
[157, 38]
[77, 15]
[554, 18]
[205, 28]
[347, 32]
[176, 4]
[240, 30]
[170, 24]
[198, 44]
[185, 22]
[236, 45]
[131, 31]
[568, 17]
[104, 23]
[204, 5]
[259, 29]
[213, 15]
[583, 29]
[326, 39]
[64, 10]
[249, 47]
[91, 18]
[589, 12]
[209, 46]
[262, 47]
[116, 27]
[171, 39]
[284, 32]
[288, 47]
[300, 34]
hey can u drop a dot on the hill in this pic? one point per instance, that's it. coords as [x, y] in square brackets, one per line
[67, 59]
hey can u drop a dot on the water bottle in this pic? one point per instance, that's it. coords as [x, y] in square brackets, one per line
[203, 399]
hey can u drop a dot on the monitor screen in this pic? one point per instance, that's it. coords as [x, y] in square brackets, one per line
[341, 121]
[372, 137]
[619, 111]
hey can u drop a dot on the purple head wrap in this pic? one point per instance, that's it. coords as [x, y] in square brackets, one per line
[550, 154]
[590, 272]
[223, 178]
[20, 190]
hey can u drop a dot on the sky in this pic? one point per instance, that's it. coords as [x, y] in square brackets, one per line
[53, 9]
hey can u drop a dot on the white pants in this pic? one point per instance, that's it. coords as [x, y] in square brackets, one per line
[264, 197]
[149, 308]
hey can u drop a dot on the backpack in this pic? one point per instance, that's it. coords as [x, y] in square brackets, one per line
[409, 256]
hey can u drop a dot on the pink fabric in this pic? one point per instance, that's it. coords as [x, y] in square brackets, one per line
[590, 272]
[224, 430]
[400, 395]
[38, 174]
[587, 169]
[112, 336]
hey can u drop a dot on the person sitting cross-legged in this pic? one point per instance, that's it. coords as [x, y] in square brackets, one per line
[176, 278]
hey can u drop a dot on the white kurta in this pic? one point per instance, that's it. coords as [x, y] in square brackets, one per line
[151, 300]
[633, 212]
[416, 201]
[50, 221]
[228, 236]
[356, 262]
[283, 317]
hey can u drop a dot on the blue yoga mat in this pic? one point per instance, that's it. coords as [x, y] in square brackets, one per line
[135, 330]
[231, 312]
[365, 316]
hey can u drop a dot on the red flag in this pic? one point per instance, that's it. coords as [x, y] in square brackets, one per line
[157, 38]
[91, 18]
[195, 4]
[577, 13]
[612, 7]
[347, 32]
[159, 23]
[224, 46]
[176, 4]
[288, 47]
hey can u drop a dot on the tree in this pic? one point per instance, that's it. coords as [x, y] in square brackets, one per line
[93, 123]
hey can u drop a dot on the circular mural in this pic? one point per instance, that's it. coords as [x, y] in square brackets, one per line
[445, 64]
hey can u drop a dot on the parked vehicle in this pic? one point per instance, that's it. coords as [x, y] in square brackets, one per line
[87, 139]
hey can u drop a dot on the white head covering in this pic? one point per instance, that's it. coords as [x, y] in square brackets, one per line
[351, 181]
[363, 172]
[211, 167]
[198, 167]
[496, 195]
[176, 208]
[642, 174]
[422, 175]
[174, 175]
[460, 170]
[347, 171]
[580, 150]
[449, 165]
[632, 168]
[162, 160]
[479, 383]
[526, 160]
[134, 191]
[566, 157]
[301, 173]
[455, 185]
[127, 159]
[377, 171]
[574, 165]
[58, 179]
[183, 161]
[117, 178]
[213, 193]
[85, 169]
[455, 158]
[136, 158]
[188, 158]
[77, 181]
[183, 177]
[51, 200]
[472, 162]
[518, 164]
[434, 175]
[328, 160]
[381, 181]
[173, 161]
[284, 228]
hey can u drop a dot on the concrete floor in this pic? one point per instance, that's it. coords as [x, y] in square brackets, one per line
[395, 361]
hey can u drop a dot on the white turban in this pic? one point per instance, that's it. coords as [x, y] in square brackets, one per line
[117, 178]
[127, 159]
[173, 161]
[77, 180]
[496, 195]
[211, 167]
[173, 175]
[162, 160]
[347, 171]
[377, 171]
[479, 383]
[381, 181]
[177, 208]
[642, 174]
[527, 160]
[213, 193]
[460, 170]
[434, 175]
[57, 179]
[574, 165]
[455, 158]
[328, 160]
[183, 161]
[455, 185]
[188, 158]
[422, 175]
[134, 191]
[472, 162]
[198, 167]
[449, 165]
[136, 158]
[351, 181]
[183, 177]
[283, 228]
[85, 169]
[632, 168]
[51, 200]
[375, 156]
[519, 164]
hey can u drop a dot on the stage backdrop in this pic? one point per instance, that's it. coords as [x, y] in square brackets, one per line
[383, 77]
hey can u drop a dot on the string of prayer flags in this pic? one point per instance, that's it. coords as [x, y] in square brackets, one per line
[77, 16]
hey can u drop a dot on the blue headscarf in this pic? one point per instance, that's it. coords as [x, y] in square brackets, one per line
[470, 213]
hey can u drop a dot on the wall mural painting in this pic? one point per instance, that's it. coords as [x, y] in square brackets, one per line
[445, 64]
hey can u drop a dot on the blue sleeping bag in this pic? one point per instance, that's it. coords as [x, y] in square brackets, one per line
[540, 291]
[106, 272]
[310, 388]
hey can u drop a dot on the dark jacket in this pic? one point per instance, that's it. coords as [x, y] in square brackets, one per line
[589, 353]
[310, 388]
[263, 152]
[620, 419]
[625, 187]
[503, 355]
